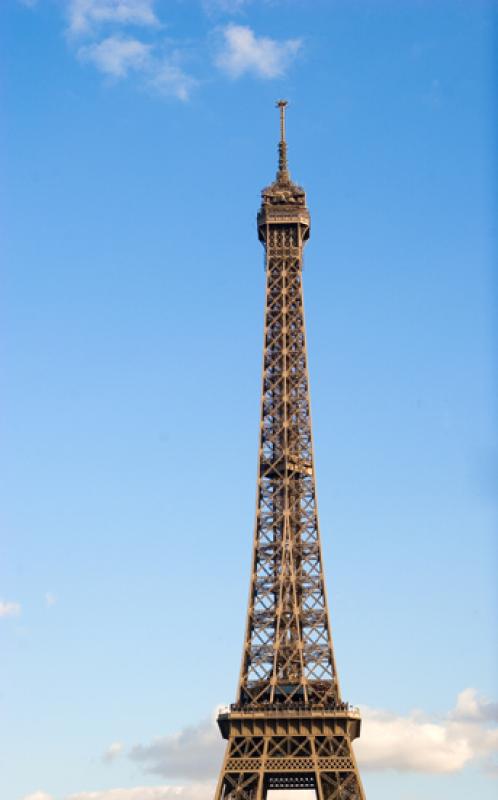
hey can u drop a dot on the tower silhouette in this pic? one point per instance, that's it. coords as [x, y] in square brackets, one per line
[289, 728]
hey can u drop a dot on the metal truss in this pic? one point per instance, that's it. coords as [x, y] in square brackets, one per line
[325, 765]
[289, 728]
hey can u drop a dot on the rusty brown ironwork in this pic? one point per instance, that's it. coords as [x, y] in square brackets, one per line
[289, 728]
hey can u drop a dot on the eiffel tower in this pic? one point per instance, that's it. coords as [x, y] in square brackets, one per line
[290, 728]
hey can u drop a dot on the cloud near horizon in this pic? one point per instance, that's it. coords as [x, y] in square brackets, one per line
[417, 743]
[201, 791]
[195, 791]
[193, 753]
[424, 744]
[38, 796]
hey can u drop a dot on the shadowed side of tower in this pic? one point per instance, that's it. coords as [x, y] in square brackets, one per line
[289, 728]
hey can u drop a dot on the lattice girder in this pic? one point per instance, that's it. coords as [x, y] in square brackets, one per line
[288, 640]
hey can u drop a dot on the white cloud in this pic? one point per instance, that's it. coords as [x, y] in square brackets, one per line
[9, 609]
[243, 52]
[87, 15]
[113, 751]
[38, 796]
[421, 743]
[410, 744]
[195, 791]
[116, 55]
[194, 753]
[471, 706]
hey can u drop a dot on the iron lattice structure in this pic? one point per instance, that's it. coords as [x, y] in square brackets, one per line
[289, 728]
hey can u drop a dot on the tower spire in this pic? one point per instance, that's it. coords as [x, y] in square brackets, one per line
[283, 175]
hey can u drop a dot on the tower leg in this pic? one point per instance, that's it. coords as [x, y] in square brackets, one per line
[341, 786]
[261, 790]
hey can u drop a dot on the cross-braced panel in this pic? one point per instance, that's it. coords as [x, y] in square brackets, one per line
[254, 764]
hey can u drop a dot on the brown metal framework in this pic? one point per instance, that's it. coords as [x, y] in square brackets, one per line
[289, 728]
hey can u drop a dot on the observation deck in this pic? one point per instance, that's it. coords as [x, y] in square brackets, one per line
[299, 719]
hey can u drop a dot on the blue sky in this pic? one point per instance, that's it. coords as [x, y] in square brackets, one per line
[136, 139]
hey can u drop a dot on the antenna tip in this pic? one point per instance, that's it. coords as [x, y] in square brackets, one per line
[283, 170]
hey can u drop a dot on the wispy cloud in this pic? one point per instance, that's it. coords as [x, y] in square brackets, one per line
[125, 39]
[244, 52]
[116, 55]
[224, 6]
[122, 52]
[86, 16]
[169, 79]
[113, 752]
[9, 609]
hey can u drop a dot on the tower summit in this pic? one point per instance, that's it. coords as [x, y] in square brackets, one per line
[289, 728]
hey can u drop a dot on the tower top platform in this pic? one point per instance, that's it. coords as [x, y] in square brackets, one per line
[283, 201]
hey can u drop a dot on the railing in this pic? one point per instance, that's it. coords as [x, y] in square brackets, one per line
[302, 707]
